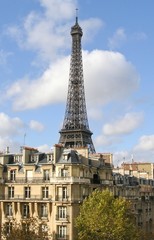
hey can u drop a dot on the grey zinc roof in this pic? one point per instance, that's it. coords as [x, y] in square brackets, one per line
[72, 157]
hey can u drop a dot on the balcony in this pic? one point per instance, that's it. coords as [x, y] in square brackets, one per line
[44, 216]
[63, 237]
[107, 182]
[9, 216]
[63, 219]
[69, 180]
[61, 198]
[22, 198]
[27, 180]
[26, 216]
[54, 179]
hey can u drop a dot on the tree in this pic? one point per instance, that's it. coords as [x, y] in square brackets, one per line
[29, 229]
[104, 217]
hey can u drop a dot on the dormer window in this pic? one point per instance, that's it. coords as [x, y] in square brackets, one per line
[65, 157]
[32, 158]
[17, 158]
[50, 157]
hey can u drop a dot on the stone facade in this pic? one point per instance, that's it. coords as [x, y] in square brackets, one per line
[50, 186]
[135, 182]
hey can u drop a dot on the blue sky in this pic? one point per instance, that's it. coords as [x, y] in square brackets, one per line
[118, 57]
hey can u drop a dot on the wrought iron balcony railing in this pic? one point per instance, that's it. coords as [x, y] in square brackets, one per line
[22, 197]
[52, 179]
[61, 237]
[64, 218]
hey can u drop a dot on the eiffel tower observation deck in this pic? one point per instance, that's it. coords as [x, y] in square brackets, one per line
[75, 131]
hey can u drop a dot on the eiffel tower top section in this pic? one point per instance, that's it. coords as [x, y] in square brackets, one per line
[75, 131]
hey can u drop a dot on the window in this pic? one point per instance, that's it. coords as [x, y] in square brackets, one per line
[25, 227]
[27, 192]
[45, 192]
[26, 210]
[85, 192]
[29, 175]
[63, 173]
[62, 193]
[8, 227]
[44, 210]
[9, 211]
[62, 210]
[32, 158]
[65, 157]
[46, 175]
[61, 231]
[17, 158]
[12, 175]
[50, 157]
[11, 192]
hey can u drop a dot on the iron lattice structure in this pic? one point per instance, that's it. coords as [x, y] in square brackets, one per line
[75, 131]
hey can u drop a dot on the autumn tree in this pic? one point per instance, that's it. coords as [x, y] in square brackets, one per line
[29, 229]
[104, 217]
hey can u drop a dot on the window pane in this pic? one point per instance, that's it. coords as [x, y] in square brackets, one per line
[61, 231]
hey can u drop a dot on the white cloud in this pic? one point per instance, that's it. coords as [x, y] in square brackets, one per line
[6, 142]
[51, 87]
[117, 39]
[44, 148]
[47, 32]
[124, 125]
[108, 77]
[90, 28]
[105, 141]
[35, 125]
[146, 143]
[95, 113]
[44, 32]
[59, 9]
[10, 126]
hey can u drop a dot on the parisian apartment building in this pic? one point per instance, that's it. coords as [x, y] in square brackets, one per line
[50, 186]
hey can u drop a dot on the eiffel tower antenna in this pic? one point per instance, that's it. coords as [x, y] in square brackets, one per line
[76, 15]
[75, 131]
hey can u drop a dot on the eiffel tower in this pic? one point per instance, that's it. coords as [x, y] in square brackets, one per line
[75, 131]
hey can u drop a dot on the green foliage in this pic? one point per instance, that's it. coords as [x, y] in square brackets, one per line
[103, 217]
[29, 229]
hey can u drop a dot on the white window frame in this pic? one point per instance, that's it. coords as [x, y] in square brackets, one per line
[62, 193]
[50, 158]
[62, 212]
[63, 172]
[46, 174]
[26, 210]
[62, 231]
[44, 210]
[11, 192]
[8, 227]
[27, 191]
[45, 192]
[12, 175]
[9, 210]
